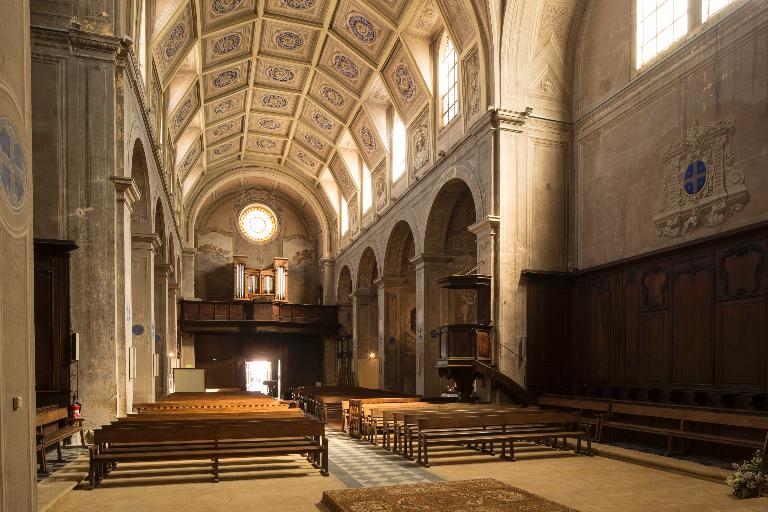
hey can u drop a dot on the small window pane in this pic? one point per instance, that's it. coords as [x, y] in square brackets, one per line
[711, 7]
[660, 24]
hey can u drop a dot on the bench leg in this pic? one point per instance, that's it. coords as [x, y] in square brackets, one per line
[426, 455]
[215, 469]
[324, 457]
[512, 451]
[58, 452]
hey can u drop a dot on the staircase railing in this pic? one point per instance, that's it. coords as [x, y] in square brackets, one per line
[515, 391]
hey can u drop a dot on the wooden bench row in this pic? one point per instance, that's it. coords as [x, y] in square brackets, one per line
[323, 401]
[674, 422]
[53, 426]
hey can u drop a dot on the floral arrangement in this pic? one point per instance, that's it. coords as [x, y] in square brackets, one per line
[749, 478]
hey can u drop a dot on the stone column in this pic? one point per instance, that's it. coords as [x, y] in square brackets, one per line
[143, 307]
[390, 288]
[328, 271]
[428, 268]
[188, 273]
[173, 346]
[364, 335]
[187, 350]
[126, 195]
[162, 271]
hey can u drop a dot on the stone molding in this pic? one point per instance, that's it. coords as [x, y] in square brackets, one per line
[163, 270]
[488, 226]
[391, 282]
[127, 191]
[146, 241]
[427, 260]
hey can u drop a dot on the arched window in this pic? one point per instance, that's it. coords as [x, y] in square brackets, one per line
[367, 189]
[449, 91]
[399, 146]
[344, 217]
[141, 38]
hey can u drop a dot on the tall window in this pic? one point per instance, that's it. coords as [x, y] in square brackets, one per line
[449, 97]
[660, 23]
[399, 146]
[367, 189]
[711, 7]
[141, 39]
[344, 217]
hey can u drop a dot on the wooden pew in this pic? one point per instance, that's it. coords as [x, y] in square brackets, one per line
[223, 439]
[356, 415]
[592, 410]
[53, 425]
[684, 418]
[499, 428]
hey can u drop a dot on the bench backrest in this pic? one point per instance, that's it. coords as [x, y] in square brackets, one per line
[51, 415]
[733, 419]
[484, 420]
[575, 403]
[408, 415]
[211, 432]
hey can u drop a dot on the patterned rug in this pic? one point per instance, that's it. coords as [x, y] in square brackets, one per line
[486, 494]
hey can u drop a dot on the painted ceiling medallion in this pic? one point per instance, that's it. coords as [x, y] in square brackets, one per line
[313, 141]
[225, 6]
[223, 129]
[270, 124]
[274, 101]
[362, 28]
[322, 121]
[175, 39]
[225, 78]
[405, 83]
[299, 4]
[264, 143]
[367, 139]
[305, 158]
[225, 106]
[332, 95]
[280, 74]
[289, 40]
[345, 66]
[183, 112]
[227, 43]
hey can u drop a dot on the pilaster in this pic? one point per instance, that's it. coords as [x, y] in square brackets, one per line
[143, 301]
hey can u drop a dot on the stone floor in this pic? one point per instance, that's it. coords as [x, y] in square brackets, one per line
[291, 484]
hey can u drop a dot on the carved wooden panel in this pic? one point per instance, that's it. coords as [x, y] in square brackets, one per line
[655, 286]
[632, 301]
[741, 344]
[693, 294]
[654, 348]
[741, 270]
[547, 333]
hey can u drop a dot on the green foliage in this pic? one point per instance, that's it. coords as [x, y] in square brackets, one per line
[749, 478]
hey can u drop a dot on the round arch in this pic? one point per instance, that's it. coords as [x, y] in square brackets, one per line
[367, 270]
[441, 206]
[401, 247]
[344, 286]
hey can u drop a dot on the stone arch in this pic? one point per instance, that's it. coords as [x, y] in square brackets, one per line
[161, 255]
[344, 286]
[447, 217]
[367, 270]
[400, 249]
[142, 209]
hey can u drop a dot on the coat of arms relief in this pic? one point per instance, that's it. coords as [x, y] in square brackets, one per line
[701, 186]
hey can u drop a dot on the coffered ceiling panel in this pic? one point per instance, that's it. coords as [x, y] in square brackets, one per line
[342, 176]
[343, 64]
[273, 102]
[458, 22]
[304, 158]
[214, 13]
[288, 40]
[227, 45]
[367, 139]
[269, 124]
[405, 83]
[190, 157]
[264, 145]
[174, 43]
[225, 107]
[224, 151]
[332, 96]
[224, 130]
[225, 80]
[362, 29]
[310, 10]
[280, 74]
[312, 141]
[319, 118]
[392, 9]
[185, 111]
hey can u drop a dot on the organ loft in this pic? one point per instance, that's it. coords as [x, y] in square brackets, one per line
[383, 255]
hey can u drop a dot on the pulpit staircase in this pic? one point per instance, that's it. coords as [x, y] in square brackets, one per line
[514, 391]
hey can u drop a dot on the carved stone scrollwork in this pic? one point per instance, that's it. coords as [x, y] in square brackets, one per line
[701, 185]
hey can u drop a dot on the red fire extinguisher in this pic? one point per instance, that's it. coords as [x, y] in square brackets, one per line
[74, 410]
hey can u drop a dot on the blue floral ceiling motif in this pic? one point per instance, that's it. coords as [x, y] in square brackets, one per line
[13, 165]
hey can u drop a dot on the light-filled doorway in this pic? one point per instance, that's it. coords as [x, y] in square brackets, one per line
[256, 372]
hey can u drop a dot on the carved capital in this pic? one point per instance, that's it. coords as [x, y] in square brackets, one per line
[146, 241]
[126, 191]
[489, 226]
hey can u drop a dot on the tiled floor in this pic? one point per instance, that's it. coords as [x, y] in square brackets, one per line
[361, 464]
[68, 453]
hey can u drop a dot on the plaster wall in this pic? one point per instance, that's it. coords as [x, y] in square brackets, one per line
[17, 346]
[625, 119]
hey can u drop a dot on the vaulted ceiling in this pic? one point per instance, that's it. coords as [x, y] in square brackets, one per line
[289, 82]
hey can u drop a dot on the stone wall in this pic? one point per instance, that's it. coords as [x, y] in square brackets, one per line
[218, 238]
[636, 132]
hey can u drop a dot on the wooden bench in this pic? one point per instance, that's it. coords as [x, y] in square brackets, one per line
[52, 427]
[214, 440]
[592, 410]
[684, 418]
[503, 428]
[356, 416]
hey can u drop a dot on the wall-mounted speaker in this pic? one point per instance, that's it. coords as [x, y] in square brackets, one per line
[75, 346]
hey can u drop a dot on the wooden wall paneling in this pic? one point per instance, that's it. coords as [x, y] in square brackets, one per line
[741, 269]
[547, 331]
[741, 344]
[578, 362]
[654, 348]
[693, 319]
[632, 300]
[600, 330]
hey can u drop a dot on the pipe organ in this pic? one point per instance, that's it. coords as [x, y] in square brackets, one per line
[261, 284]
